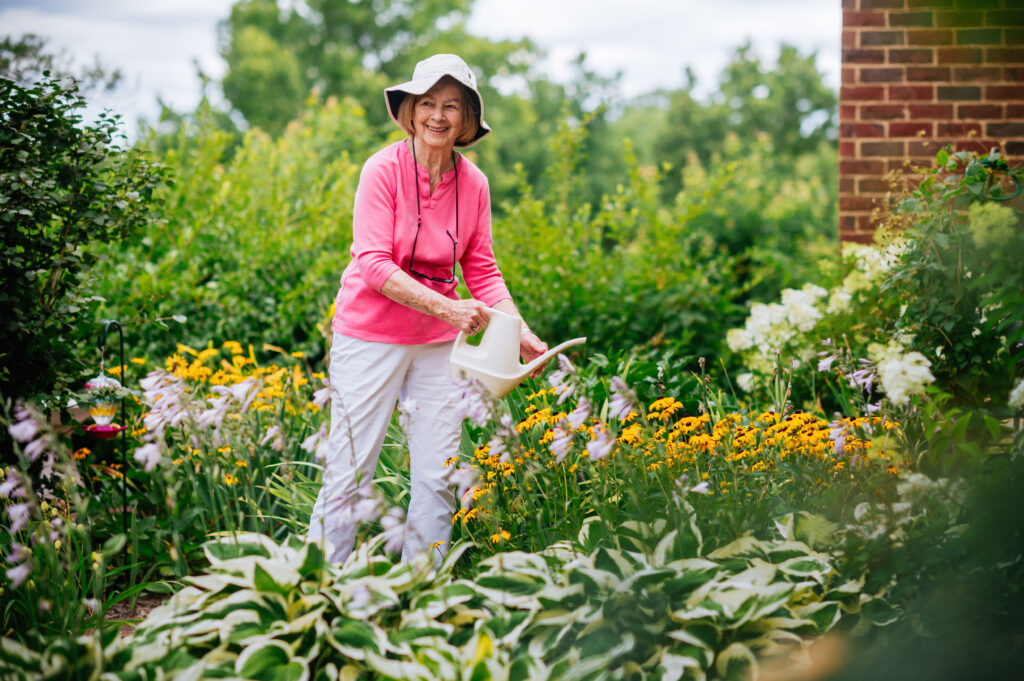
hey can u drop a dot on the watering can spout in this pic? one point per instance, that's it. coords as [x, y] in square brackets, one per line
[495, 362]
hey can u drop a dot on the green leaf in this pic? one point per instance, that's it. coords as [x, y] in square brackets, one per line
[879, 612]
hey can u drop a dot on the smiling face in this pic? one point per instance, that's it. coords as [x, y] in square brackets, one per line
[439, 116]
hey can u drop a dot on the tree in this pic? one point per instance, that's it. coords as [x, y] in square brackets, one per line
[24, 60]
[64, 185]
[276, 57]
[788, 103]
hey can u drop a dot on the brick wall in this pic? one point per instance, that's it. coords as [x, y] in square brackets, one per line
[917, 75]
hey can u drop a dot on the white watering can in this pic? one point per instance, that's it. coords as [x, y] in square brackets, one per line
[495, 362]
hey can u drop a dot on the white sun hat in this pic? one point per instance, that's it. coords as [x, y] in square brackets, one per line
[426, 75]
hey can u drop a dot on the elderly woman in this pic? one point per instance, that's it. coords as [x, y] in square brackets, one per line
[420, 208]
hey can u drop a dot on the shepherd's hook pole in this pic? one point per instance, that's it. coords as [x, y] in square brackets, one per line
[108, 323]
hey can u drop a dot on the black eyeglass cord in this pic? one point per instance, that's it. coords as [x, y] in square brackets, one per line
[419, 219]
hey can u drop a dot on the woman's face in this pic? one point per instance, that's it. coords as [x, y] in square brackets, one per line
[438, 116]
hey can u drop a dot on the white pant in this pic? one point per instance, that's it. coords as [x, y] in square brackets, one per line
[367, 378]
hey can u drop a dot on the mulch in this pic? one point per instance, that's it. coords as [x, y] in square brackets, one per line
[130, 617]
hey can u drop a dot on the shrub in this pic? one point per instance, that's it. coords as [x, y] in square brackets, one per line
[66, 188]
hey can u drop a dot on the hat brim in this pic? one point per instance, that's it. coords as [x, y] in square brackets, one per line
[394, 95]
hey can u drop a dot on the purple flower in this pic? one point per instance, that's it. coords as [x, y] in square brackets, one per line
[621, 403]
[406, 410]
[825, 363]
[25, 427]
[148, 455]
[702, 488]
[462, 478]
[472, 401]
[316, 444]
[19, 574]
[601, 445]
[13, 487]
[274, 437]
[323, 395]
[394, 529]
[18, 513]
[578, 416]
[561, 444]
[838, 436]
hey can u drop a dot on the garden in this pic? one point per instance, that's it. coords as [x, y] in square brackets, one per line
[776, 457]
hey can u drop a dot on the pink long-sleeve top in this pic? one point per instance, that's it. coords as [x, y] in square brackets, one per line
[383, 228]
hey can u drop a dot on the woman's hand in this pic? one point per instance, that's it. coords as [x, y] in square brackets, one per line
[531, 347]
[469, 316]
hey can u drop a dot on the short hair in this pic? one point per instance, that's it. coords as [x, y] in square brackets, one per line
[469, 107]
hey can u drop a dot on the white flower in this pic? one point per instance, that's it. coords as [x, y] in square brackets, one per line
[739, 340]
[1016, 400]
[838, 302]
[18, 513]
[799, 306]
[745, 381]
[901, 375]
[601, 445]
[702, 488]
[148, 455]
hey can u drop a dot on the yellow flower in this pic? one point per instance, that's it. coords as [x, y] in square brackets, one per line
[631, 434]
[241, 464]
[137, 360]
[451, 461]
[500, 535]
[82, 452]
[470, 514]
[230, 479]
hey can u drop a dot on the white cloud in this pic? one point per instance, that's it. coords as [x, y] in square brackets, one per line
[156, 42]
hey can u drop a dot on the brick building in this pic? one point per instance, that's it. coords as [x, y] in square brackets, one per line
[918, 75]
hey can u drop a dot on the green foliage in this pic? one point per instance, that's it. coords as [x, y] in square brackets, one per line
[27, 60]
[276, 57]
[263, 235]
[960, 277]
[631, 270]
[65, 187]
[268, 610]
[788, 103]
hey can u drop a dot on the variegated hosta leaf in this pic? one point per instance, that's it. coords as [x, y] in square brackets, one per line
[271, 661]
[736, 663]
[680, 668]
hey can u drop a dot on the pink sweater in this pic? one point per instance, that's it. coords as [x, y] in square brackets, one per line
[383, 228]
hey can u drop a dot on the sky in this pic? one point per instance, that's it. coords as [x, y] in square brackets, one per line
[160, 44]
